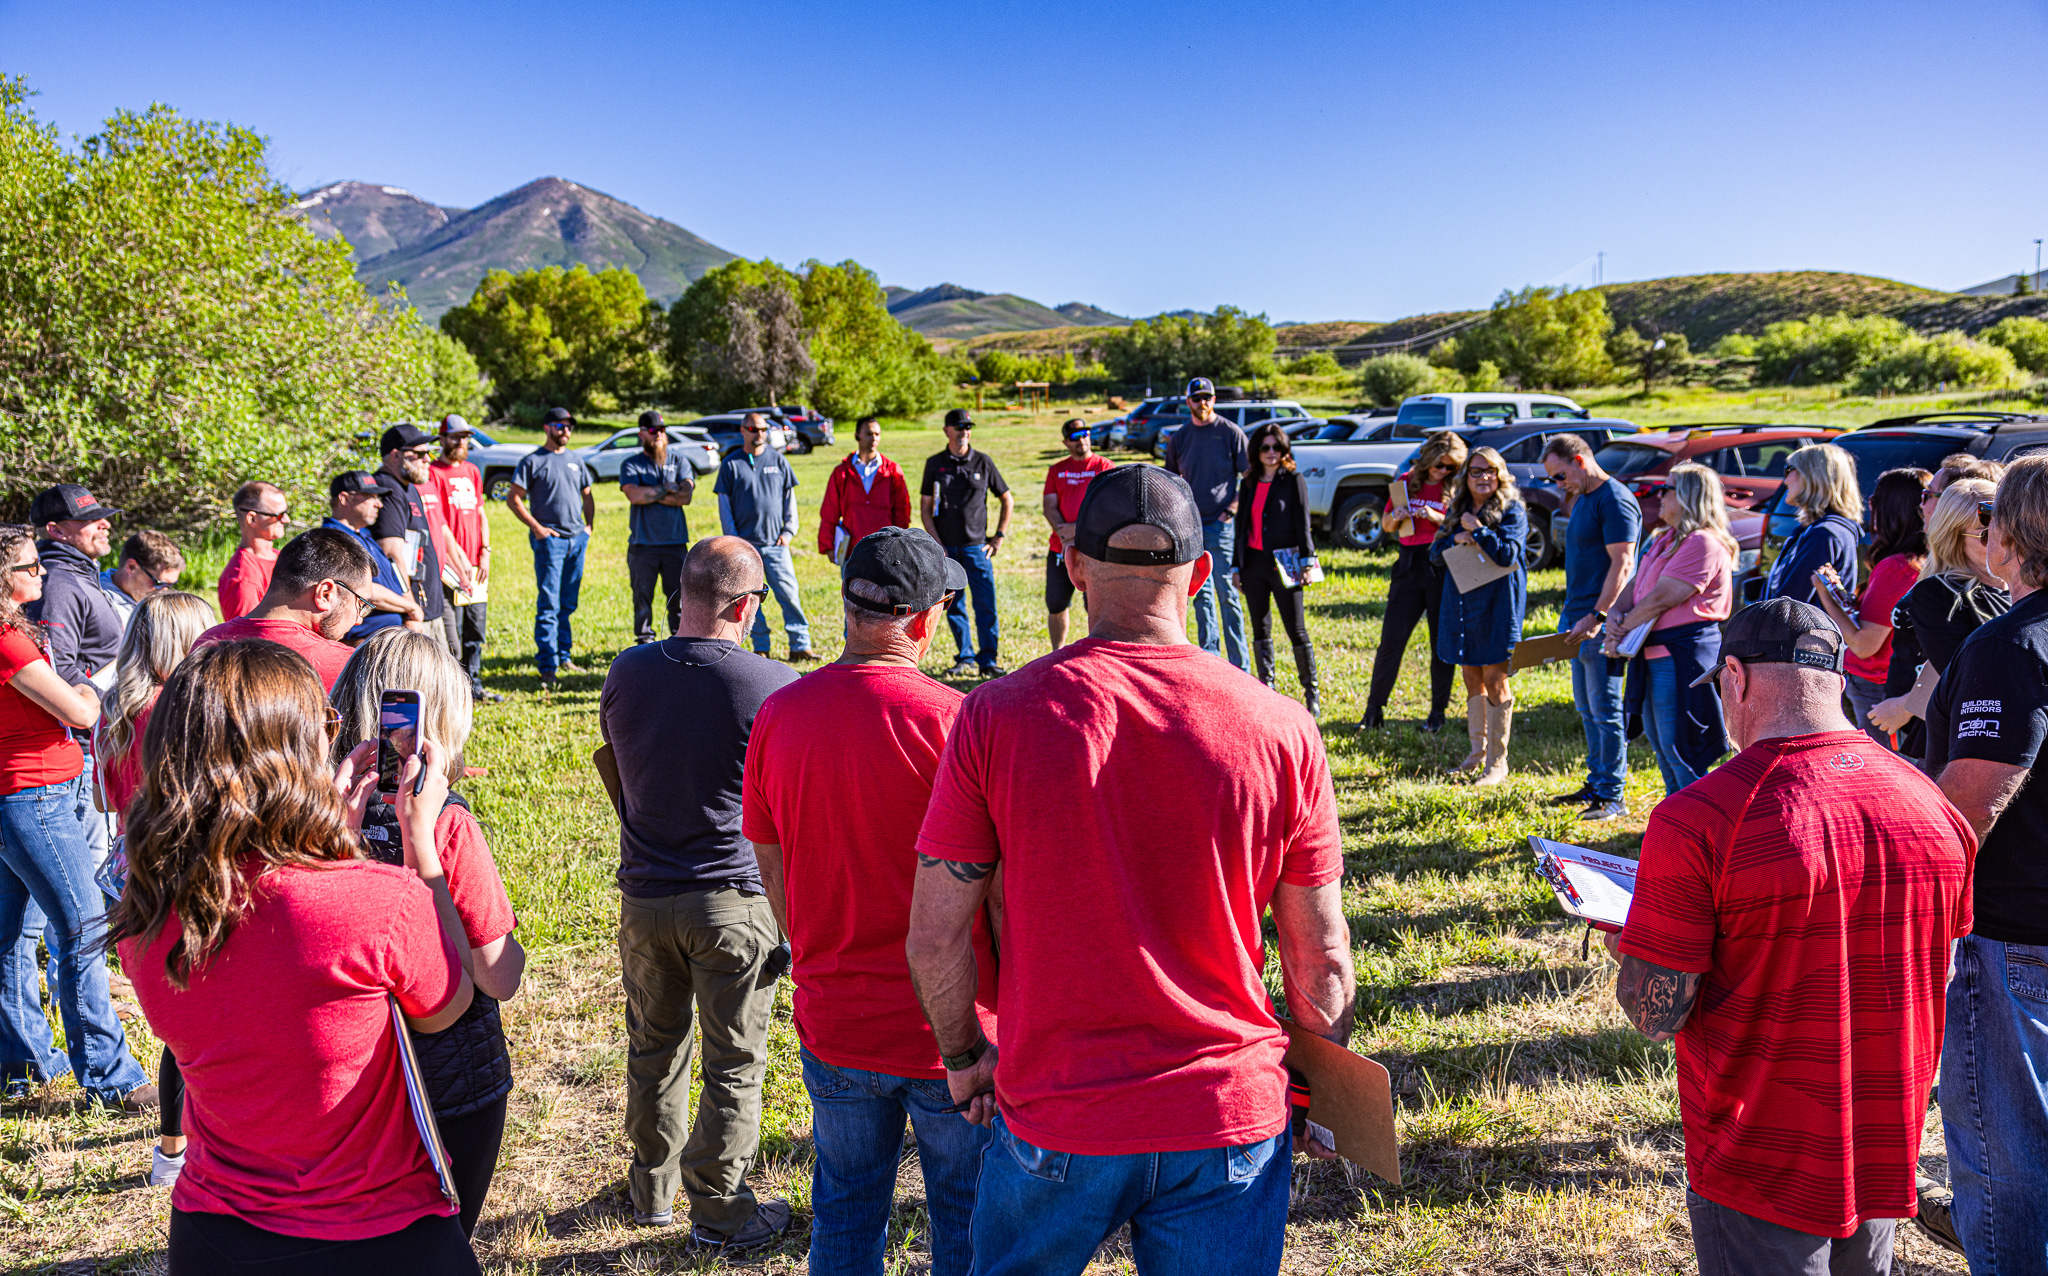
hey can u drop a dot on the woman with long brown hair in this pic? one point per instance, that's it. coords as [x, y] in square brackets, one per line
[1478, 630]
[1273, 500]
[1415, 586]
[1898, 546]
[265, 951]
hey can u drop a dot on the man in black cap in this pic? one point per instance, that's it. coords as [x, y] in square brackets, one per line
[1791, 926]
[1140, 1076]
[953, 495]
[408, 537]
[558, 526]
[657, 487]
[839, 770]
[354, 501]
[81, 626]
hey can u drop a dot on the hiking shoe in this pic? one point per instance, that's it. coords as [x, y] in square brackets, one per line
[482, 696]
[570, 666]
[804, 657]
[770, 1221]
[1584, 797]
[164, 1170]
[1936, 1219]
[1598, 811]
[993, 671]
[662, 1218]
[142, 1098]
[963, 669]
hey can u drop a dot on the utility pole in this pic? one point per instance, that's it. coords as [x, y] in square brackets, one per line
[2037, 265]
[1600, 268]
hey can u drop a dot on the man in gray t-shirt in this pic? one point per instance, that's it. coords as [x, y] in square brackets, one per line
[1210, 453]
[551, 495]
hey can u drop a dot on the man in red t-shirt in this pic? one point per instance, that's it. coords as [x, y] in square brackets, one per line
[1141, 1076]
[260, 516]
[315, 596]
[1065, 483]
[457, 491]
[1791, 927]
[839, 769]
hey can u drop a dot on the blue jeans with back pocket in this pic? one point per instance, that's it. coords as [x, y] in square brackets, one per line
[1994, 1102]
[1211, 1212]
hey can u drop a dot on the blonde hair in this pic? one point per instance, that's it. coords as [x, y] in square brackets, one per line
[2022, 516]
[160, 634]
[1828, 483]
[1696, 490]
[1441, 446]
[396, 659]
[1954, 519]
[1496, 506]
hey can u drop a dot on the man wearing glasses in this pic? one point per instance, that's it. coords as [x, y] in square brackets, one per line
[756, 493]
[953, 497]
[407, 534]
[1210, 452]
[150, 561]
[260, 517]
[558, 524]
[317, 594]
[355, 499]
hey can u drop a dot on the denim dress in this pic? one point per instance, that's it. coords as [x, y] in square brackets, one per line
[1482, 627]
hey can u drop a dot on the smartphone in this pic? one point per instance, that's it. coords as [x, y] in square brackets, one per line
[398, 736]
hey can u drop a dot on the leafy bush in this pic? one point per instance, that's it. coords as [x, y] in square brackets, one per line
[2024, 337]
[456, 384]
[1002, 367]
[1735, 345]
[1319, 364]
[1820, 349]
[1945, 359]
[1391, 378]
[168, 332]
[563, 338]
[1541, 337]
[1223, 346]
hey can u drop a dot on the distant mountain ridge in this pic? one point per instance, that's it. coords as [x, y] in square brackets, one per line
[952, 312]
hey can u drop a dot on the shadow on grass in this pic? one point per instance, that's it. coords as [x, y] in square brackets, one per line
[1378, 1003]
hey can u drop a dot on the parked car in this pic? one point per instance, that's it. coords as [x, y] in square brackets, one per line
[1422, 415]
[1521, 444]
[1342, 429]
[724, 429]
[606, 455]
[1922, 441]
[1244, 413]
[1117, 431]
[495, 461]
[807, 429]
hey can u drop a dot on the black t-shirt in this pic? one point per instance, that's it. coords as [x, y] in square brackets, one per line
[963, 485]
[403, 517]
[678, 714]
[1992, 705]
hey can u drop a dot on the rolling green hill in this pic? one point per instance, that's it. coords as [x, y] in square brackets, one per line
[949, 311]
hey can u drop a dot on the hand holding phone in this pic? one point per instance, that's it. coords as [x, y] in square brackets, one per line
[398, 738]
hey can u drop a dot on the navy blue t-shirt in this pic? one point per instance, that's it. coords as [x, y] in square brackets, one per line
[1607, 515]
[657, 524]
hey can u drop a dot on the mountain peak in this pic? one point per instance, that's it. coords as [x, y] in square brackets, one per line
[373, 219]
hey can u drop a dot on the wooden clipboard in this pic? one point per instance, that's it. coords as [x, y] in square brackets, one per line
[1352, 1097]
[608, 773]
[1547, 649]
[1470, 568]
[1397, 497]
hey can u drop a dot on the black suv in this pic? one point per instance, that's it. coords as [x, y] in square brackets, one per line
[807, 429]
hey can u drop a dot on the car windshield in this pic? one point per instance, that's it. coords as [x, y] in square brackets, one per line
[1335, 431]
[1420, 420]
[1876, 453]
[1623, 459]
[477, 438]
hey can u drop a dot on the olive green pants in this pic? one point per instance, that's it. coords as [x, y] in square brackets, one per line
[700, 951]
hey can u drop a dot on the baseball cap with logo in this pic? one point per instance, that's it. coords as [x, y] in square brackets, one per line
[353, 483]
[651, 420]
[1781, 631]
[68, 503]
[453, 425]
[959, 419]
[404, 435]
[909, 567]
[1201, 385]
[1134, 495]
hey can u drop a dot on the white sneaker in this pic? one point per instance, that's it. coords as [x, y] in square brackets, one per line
[164, 1170]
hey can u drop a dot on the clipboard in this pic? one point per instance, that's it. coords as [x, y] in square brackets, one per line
[607, 765]
[1352, 1097]
[1397, 496]
[1471, 569]
[1635, 640]
[1545, 650]
[422, 1107]
[1595, 888]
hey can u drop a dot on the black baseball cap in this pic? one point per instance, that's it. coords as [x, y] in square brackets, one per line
[68, 503]
[353, 482]
[1201, 385]
[1780, 631]
[402, 436]
[651, 420]
[1130, 495]
[909, 566]
[959, 419]
[558, 416]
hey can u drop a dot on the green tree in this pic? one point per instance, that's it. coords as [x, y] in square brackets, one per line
[455, 383]
[766, 351]
[1222, 346]
[1947, 359]
[1822, 349]
[167, 332]
[1666, 355]
[2025, 338]
[1542, 337]
[1321, 363]
[1390, 378]
[563, 338]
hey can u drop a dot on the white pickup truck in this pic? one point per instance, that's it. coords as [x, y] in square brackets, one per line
[1348, 474]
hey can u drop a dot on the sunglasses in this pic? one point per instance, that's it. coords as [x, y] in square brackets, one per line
[279, 516]
[752, 429]
[761, 593]
[1485, 473]
[362, 603]
[1202, 398]
[33, 567]
[333, 722]
[1274, 448]
[1984, 511]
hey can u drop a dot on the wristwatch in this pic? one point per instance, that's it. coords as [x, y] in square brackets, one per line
[967, 1058]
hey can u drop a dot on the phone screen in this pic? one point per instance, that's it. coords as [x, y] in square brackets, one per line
[398, 736]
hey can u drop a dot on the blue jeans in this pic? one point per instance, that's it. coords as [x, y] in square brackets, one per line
[981, 583]
[857, 1125]
[1598, 696]
[558, 586]
[43, 858]
[1994, 1102]
[1218, 1210]
[1218, 596]
[781, 571]
[1663, 723]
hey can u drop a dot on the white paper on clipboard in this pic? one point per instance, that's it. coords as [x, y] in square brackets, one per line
[1633, 642]
[1589, 885]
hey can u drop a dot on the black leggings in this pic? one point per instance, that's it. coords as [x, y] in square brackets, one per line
[211, 1244]
[170, 1089]
[473, 1141]
[1415, 592]
[1263, 591]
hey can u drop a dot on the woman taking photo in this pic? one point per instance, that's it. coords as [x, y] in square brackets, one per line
[1956, 593]
[1478, 630]
[1273, 502]
[1820, 483]
[159, 635]
[1898, 548]
[467, 1066]
[1683, 588]
[44, 861]
[1415, 589]
[266, 951]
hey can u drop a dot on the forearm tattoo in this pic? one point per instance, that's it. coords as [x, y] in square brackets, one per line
[961, 871]
[1656, 1000]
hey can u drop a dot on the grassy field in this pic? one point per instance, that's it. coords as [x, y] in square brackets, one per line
[1539, 1131]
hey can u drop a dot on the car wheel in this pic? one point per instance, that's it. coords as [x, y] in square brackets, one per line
[498, 485]
[1356, 524]
[1537, 547]
[798, 444]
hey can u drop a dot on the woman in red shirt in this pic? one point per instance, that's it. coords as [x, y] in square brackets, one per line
[44, 859]
[267, 952]
[1898, 545]
[1415, 590]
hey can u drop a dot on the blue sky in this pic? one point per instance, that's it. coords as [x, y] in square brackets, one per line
[1313, 161]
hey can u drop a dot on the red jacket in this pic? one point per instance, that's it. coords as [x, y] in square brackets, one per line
[886, 504]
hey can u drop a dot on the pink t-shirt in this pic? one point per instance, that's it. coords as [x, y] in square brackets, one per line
[293, 1097]
[1890, 580]
[1144, 803]
[1703, 562]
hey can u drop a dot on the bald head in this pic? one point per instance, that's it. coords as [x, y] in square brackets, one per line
[717, 571]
